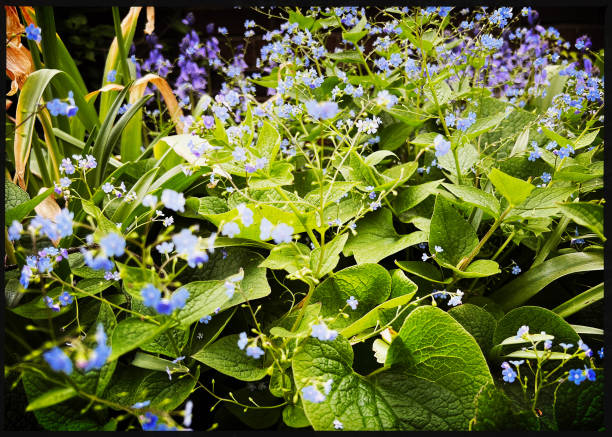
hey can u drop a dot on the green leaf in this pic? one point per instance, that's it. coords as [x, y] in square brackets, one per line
[538, 319]
[65, 416]
[132, 385]
[376, 238]
[104, 225]
[373, 316]
[583, 300]
[476, 197]
[433, 346]
[478, 322]
[480, 268]
[425, 139]
[414, 194]
[394, 135]
[303, 22]
[323, 262]
[468, 156]
[131, 333]
[151, 362]
[349, 56]
[581, 407]
[13, 195]
[513, 189]
[586, 139]
[294, 416]
[289, 257]
[528, 284]
[370, 284]
[447, 220]
[496, 412]
[542, 202]
[352, 400]
[586, 214]
[268, 141]
[484, 124]
[206, 296]
[51, 397]
[21, 210]
[225, 356]
[423, 270]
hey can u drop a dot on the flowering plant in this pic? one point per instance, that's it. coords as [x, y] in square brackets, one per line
[341, 226]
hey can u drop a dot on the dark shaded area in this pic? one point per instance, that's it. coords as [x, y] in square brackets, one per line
[88, 31]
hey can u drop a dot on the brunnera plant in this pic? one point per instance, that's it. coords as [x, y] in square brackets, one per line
[348, 238]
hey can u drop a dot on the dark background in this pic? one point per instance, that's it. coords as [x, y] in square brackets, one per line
[88, 31]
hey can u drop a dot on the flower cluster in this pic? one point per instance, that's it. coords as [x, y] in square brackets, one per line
[152, 298]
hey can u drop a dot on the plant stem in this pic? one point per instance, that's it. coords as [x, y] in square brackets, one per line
[466, 261]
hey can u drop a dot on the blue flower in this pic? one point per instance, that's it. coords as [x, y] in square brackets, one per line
[33, 33]
[165, 248]
[179, 298]
[65, 298]
[245, 214]
[100, 354]
[516, 270]
[523, 330]
[321, 110]
[600, 352]
[58, 360]
[164, 306]
[151, 295]
[111, 76]
[352, 302]
[442, 146]
[230, 229]
[491, 43]
[173, 200]
[508, 373]
[323, 333]
[239, 154]
[100, 262]
[113, 244]
[254, 351]
[242, 340]
[566, 346]
[63, 222]
[149, 422]
[15, 230]
[206, 319]
[282, 233]
[576, 376]
[50, 304]
[546, 177]
[590, 374]
[311, 394]
[535, 154]
[456, 298]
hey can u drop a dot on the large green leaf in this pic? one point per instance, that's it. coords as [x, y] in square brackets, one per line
[586, 214]
[447, 222]
[528, 284]
[542, 202]
[538, 319]
[496, 412]
[206, 296]
[433, 346]
[376, 238]
[225, 356]
[353, 400]
[13, 196]
[370, 284]
[131, 333]
[478, 322]
[581, 408]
